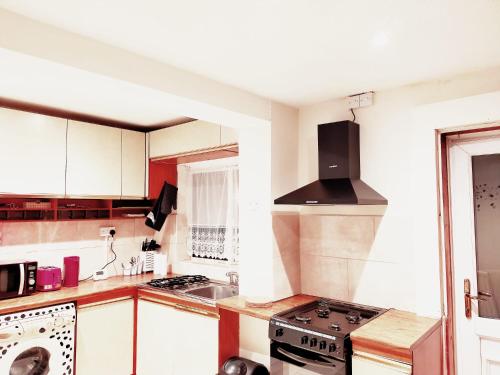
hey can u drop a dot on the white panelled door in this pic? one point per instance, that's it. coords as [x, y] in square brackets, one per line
[474, 166]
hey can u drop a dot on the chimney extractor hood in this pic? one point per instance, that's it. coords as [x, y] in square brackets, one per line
[339, 176]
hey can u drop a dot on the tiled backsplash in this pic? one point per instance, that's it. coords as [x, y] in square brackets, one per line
[286, 256]
[338, 260]
[50, 242]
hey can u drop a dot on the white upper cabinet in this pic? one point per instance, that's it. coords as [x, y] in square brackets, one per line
[189, 137]
[228, 136]
[133, 164]
[94, 160]
[32, 153]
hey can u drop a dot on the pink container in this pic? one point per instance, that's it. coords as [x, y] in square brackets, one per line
[71, 271]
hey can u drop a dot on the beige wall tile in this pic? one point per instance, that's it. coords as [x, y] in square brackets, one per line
[337, 236]
[324, 276]
[286, 274]
[60, 231]
[89, 230]
[286, 257]
[311, 235]
[381, 284]
[141, 230]
[22, 233]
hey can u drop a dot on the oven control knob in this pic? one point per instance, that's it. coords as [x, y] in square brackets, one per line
[31, 281]
[332, 347]
[322, 345]
[279, 332]
[304, 340]
[314, 342]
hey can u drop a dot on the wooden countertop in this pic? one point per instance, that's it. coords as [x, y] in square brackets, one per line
[394, 334]
[83, 290]
[237, 304]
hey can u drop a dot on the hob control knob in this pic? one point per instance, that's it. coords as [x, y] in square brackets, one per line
[314, 342]
[279, 332]
[322, 345]
[332, 347]
[304, 340]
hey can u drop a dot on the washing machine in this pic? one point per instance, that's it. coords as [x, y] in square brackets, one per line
[38, 342]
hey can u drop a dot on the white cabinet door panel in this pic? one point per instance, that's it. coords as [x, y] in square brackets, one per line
[175, 342]
[197, 344]
[228, 136]
[32, 153]
[156, 334]
[374, 365]
[105, 339]
[94, 160]
[181, 139]
[133, 164]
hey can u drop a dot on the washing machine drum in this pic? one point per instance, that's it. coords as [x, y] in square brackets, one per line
[33, 361]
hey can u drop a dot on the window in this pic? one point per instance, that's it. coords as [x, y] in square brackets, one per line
[212, 210]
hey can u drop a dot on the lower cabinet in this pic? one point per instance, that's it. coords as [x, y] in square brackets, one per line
[364, 364]
[175, 341]
[105, 338]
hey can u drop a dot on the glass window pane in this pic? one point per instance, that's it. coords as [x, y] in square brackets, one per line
[486, 179]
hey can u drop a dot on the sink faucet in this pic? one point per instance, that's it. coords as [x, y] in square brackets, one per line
[233, 278]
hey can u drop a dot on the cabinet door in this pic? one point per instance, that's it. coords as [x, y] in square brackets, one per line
[374, 365]
[184, 138]
[105, 338]
[196, 351]
[156, 333]
[228, 136]
[94, 160]
[175, 342]
[32, 153]
[133, 164]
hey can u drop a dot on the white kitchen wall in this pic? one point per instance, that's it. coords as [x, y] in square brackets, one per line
[397, 160]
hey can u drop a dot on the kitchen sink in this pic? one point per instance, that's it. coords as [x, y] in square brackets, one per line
[212, 292]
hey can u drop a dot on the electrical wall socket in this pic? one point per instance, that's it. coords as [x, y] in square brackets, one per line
[353, 101]
[360, 100]
[104, 231]
[366, 99]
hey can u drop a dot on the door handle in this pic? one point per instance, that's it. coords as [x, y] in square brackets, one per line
[481, 296]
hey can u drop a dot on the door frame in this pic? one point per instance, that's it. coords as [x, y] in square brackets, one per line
[443, 138]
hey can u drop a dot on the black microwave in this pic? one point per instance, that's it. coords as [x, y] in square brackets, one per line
[17, 279]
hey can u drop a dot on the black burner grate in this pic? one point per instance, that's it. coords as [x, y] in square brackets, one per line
[178, 282]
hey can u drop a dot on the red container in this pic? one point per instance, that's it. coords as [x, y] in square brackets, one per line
[71, 271]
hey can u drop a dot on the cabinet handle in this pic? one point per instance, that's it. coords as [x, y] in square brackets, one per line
[195, 310]
[401, 366]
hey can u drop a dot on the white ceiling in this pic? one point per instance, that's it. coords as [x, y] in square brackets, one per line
[294, 51]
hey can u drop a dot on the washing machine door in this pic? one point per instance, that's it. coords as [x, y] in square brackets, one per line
[32, 361]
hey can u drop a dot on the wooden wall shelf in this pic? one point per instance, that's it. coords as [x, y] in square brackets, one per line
[56, 209]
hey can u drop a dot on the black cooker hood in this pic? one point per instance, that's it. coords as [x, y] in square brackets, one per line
[339, 176]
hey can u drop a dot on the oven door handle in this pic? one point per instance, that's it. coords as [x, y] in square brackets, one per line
[22, 280]
[305, 361]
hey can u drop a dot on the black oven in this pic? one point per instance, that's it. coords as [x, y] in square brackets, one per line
[288, 359]
[17, 279]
